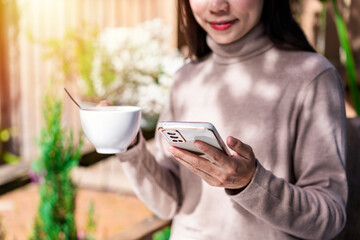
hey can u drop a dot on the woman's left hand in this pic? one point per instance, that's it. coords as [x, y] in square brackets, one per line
[219, 169]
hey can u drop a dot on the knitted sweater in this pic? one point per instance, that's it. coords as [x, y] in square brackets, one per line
[288, 106]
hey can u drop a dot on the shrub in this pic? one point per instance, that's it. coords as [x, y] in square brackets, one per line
[57, 157]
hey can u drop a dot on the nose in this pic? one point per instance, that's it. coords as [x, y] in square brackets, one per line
[218, 6]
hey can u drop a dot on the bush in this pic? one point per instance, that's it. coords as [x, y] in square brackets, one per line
[55, 217]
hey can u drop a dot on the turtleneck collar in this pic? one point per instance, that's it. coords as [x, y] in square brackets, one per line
[252, 44]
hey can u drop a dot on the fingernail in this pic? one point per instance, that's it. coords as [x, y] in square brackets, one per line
[171, 149]
[197, 144]
[231, 142]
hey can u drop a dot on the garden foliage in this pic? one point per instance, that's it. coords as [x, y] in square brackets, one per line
[163, 234]
[57, 157]
[6, 156]
[125, 66]
[349, 57]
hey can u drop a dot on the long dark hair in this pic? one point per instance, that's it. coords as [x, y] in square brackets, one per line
[276, 17]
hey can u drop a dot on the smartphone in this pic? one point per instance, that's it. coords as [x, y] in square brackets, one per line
[184, 134]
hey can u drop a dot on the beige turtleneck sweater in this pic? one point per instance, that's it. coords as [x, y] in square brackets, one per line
[288, 106]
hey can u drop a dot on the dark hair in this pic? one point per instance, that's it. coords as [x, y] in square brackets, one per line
[276, 17]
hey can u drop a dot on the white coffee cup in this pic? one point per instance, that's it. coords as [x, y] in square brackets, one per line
[111, 129]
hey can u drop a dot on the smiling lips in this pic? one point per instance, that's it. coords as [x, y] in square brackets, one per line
[222, 26]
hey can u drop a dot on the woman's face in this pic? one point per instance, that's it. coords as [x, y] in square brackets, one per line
[227, 20]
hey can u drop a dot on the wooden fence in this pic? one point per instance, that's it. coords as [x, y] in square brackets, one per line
[29, 73]
[25, 74]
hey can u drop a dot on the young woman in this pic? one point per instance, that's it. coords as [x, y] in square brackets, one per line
[256, 78]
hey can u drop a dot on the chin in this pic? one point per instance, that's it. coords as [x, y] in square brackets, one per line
[220, 40]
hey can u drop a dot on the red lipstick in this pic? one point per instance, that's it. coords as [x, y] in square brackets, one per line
[221, 26]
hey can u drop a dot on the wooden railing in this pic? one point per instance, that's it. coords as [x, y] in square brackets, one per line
[15, 176]
[144, 230]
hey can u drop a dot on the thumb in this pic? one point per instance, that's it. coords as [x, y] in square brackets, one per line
[103, 103]
[240, 148]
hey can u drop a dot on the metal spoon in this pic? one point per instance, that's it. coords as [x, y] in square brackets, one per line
[73, 99]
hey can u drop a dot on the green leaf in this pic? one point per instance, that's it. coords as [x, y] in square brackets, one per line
[349, 61]
[163, 234]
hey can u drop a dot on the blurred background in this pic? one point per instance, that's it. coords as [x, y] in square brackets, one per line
[124, 51]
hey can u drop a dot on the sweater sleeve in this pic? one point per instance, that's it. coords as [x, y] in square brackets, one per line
[154, 178]
[313, 207]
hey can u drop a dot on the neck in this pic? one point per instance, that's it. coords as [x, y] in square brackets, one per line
[252, 44]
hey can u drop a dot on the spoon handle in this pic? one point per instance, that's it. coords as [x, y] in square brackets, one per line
[72, 98]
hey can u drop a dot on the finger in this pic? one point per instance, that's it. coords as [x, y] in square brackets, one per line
[215, 155]
[204, 175]
[103, 103]
[240, 148]
[195, 163]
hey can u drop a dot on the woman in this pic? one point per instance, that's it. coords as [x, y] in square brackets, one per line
[256, 78]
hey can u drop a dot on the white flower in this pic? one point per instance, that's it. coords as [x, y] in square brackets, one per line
[134, 66]
[151, 99]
